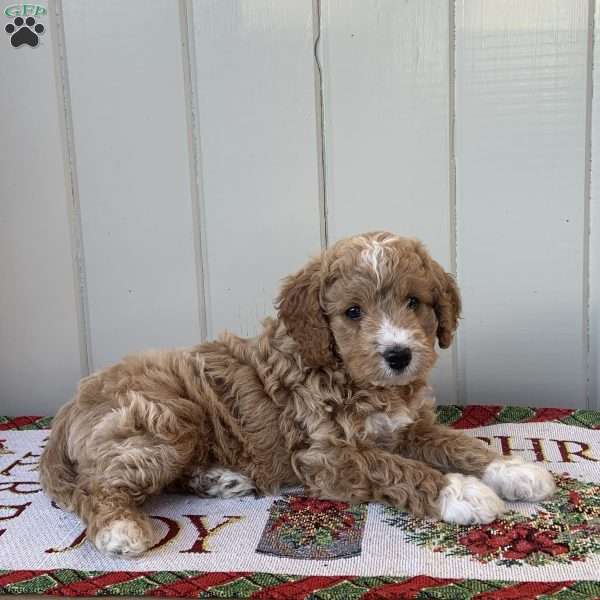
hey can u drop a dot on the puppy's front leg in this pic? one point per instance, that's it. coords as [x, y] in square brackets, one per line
[353, 475]
[451, 450]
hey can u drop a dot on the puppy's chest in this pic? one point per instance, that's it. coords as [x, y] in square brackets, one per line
[384, 428]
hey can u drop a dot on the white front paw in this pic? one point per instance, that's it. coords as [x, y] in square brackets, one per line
[466, 500]
[515, 479]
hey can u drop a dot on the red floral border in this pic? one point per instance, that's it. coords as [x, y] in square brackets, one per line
[24, 423]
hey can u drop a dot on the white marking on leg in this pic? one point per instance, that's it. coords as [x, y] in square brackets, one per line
[515, 479]
[466, 501]
[217, 482]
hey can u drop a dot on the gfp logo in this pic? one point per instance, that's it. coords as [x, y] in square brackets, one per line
[25, 10]
[24, 29]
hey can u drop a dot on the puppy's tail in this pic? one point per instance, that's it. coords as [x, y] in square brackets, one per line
[57, 472]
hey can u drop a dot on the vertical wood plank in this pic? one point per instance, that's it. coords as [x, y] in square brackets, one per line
[126, 77]
[520, 149]
[39, 347]
[594, 230]
[256, 113]
[386, 117]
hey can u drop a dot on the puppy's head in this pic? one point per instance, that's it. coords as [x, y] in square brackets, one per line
[376, 302]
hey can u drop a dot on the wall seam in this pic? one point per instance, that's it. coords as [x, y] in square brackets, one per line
[456, 357]
[72, 186]
[587, 239]
[320, 124]
[195, 159]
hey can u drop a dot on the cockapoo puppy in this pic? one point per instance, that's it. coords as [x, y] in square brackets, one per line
[331, 395]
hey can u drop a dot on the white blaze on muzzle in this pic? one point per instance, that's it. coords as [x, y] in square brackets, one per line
[389, 336]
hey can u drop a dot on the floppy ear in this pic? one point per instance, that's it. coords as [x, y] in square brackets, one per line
[447, 306]
[300, 309]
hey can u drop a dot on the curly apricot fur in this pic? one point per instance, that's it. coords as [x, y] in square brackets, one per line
[310, 400]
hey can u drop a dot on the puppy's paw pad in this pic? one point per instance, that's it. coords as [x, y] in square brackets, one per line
[514, 479]
[466, 501]
[123, 538]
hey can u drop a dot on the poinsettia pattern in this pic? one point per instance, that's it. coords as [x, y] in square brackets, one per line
[303, 527]
[565, 528]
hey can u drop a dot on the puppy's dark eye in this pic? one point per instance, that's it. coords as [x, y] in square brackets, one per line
[412, 303]
[354, 312]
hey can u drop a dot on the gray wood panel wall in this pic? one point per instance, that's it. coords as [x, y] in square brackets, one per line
[158, 180]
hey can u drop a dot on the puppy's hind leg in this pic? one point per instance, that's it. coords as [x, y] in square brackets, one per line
[139, 450]
[114, 523]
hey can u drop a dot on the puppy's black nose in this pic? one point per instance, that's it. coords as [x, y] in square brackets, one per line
[398, 357]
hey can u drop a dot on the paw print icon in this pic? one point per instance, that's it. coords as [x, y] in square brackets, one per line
[24, 32]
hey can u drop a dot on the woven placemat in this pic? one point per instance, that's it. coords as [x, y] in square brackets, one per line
[291, 546]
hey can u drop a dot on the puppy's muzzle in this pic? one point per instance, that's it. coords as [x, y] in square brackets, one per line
[398, 357]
